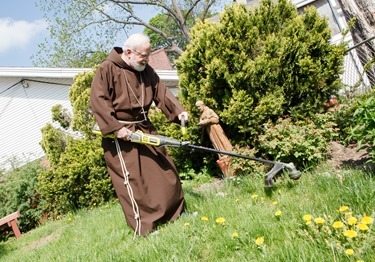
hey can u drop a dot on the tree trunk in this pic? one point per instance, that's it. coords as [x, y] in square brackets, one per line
[364, 12]
[363, 29]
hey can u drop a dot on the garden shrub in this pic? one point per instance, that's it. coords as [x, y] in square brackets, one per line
[259, 66]
[302, 142]
[79, 96]
[355, 120]
[243, 166]
[364, 128]
[18, 193]
[79, 180]
[61, 115]
[53, 143]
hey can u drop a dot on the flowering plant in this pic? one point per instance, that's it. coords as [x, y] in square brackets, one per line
[346, 233]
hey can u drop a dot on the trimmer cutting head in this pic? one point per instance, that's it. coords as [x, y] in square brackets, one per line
[277, 169]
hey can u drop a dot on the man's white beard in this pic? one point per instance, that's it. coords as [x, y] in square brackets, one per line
[137, 66]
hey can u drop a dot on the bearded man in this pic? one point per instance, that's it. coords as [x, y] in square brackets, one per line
[144, 177]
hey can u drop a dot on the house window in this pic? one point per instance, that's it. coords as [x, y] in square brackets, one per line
[325, 10]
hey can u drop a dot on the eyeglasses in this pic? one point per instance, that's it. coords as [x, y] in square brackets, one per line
[141, 55]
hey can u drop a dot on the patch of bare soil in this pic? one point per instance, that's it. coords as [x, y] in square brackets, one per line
[216, 185]
[349, 156]
[43, 241]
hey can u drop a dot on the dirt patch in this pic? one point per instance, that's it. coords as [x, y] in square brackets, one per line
[43, 241]
[216, 186]
[349, 156]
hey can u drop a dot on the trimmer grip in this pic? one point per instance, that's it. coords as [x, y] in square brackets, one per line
[139, 137]
[183, 127]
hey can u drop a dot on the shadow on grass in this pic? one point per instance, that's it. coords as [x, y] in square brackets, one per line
[281, 182]
[3, 250]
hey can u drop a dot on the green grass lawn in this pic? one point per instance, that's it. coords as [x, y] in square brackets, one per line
[227, 220]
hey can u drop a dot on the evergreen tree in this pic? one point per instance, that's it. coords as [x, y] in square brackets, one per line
[260, 64]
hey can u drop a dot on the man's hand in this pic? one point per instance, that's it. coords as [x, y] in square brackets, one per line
[122, 133]
[185, 114]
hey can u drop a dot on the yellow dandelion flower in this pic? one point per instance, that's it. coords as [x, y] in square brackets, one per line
[352, 221]
[259, 241]
[349, 252]
[350, 233]
[220, 220]
[234, 234]
[338, 224]
[187, 224]
[204, 218]
[278, 213]
[307, 217]
[275, 203]
[366, 220]
[308, 223]
[362, 227]
[343, 208]
[360, 260]
[319, 221]
[254, 196]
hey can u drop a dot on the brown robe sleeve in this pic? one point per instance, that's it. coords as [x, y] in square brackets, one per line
[102, 88]
[166, 101]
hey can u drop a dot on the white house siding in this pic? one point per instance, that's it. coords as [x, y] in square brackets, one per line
[25, 108]
[23, 112]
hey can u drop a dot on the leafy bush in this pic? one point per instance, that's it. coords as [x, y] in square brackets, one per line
[53, 143]
[79, 96]
[260, 64]
[18, 193]
[61, 115]
[79, 179]
[242, 166]
[302, 142]
[343, 117]
[364, 129]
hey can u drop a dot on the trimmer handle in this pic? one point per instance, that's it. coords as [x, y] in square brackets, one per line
[183, 127]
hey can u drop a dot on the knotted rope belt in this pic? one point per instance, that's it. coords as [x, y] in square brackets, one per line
[125, 172]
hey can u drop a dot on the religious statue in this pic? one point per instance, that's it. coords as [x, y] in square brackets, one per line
[210, 121]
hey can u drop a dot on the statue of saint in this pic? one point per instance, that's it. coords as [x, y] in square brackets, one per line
[210, 121]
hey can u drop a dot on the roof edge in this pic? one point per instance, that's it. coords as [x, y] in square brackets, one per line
[45, 72]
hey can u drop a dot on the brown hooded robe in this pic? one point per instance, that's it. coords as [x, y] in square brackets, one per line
[152, 174]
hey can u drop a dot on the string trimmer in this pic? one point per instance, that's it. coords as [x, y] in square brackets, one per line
[158, 140]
